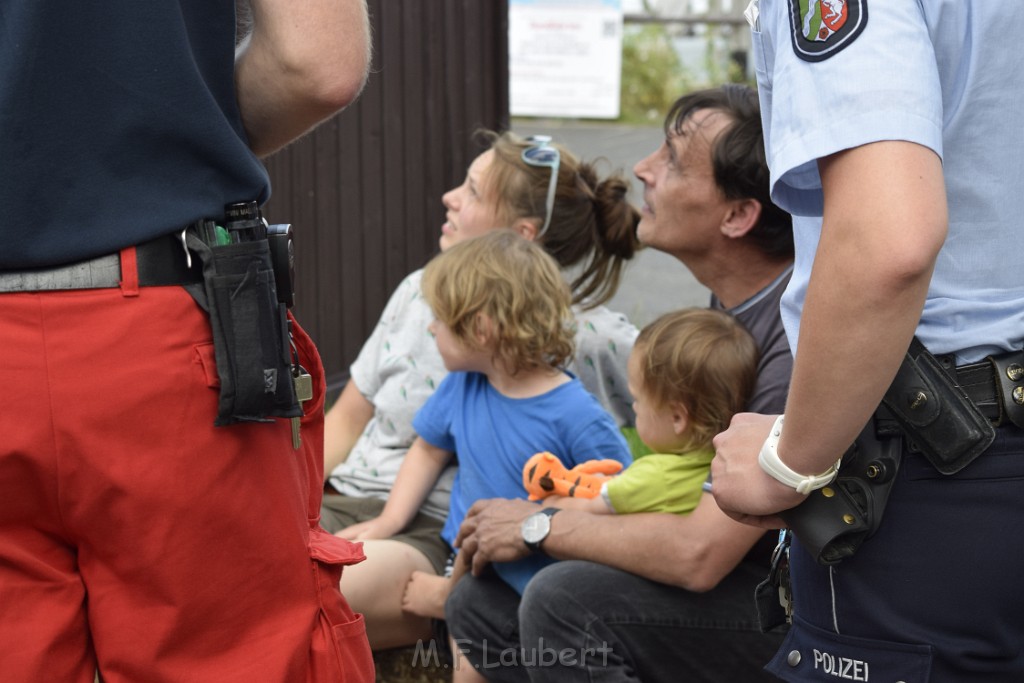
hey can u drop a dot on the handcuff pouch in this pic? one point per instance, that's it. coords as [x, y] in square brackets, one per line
[935, 414]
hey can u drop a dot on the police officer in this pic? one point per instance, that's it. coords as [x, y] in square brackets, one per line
[134, 534]
[893, 123]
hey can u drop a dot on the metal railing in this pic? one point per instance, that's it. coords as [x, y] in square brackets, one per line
[730, 19]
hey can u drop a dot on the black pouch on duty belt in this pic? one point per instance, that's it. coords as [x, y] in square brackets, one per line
[834, 520]
[923, 407]
[937, 417]
[250, 332]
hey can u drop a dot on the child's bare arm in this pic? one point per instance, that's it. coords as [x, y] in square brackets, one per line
[420, 469]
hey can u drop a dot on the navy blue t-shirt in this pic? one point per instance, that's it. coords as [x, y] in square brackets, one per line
[118, 123]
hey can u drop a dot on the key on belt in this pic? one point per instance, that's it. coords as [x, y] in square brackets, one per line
[303, 382]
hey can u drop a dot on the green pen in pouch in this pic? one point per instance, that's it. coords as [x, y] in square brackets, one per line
[222, 236]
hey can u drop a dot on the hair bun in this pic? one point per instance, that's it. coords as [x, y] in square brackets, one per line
[617, 218]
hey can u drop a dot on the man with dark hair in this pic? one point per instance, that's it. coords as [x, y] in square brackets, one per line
[652, 597]
[737, 158]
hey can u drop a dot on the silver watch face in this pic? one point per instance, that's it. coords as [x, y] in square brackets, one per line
[535, 528]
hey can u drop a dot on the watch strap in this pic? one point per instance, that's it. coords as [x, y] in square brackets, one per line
[534, 546]
[773, 466]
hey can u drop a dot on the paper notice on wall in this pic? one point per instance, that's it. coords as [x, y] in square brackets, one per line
[565, 58]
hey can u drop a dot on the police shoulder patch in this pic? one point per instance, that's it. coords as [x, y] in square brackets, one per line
[821, 28]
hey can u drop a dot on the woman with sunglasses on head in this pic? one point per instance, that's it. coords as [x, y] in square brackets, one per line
[547, 195]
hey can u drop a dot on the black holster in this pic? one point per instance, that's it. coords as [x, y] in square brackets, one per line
[836, 519]
[923, 409]
[250, 331]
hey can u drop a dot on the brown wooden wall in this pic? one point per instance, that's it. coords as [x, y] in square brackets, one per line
[363, 191]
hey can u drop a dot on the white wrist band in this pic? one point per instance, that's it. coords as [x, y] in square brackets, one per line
[779, 471]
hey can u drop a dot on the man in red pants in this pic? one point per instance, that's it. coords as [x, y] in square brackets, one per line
[136, 538]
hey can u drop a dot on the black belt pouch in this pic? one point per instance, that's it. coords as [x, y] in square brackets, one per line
[937, 417]
[250, 332]
[923, 407]
[834, 520]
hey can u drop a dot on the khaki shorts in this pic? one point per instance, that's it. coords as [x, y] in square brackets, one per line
[423, 533]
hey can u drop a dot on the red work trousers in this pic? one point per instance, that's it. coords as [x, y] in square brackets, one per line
[135, 537]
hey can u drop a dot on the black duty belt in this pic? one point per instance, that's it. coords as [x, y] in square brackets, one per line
[160, 262]
[995, 385]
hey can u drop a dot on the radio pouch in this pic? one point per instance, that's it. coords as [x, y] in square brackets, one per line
[834, 520]
[250, 332]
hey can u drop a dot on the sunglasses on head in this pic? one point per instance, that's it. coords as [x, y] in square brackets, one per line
[540, 153]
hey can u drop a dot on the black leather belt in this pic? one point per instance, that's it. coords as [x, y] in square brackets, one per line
[995, 385]
[160, 262]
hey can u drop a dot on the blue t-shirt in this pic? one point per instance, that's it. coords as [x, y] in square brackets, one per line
[118, 124]
[493, 436]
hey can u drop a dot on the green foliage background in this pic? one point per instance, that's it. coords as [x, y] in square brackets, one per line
[653, 76]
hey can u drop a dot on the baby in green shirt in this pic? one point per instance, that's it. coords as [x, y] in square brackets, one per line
[689, 372]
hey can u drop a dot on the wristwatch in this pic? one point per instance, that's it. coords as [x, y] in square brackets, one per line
[773, 466]
[536, 528]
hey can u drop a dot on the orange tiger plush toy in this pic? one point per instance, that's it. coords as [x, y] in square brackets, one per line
[544, 475]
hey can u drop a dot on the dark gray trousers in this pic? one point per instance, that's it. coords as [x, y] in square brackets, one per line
[580, 621]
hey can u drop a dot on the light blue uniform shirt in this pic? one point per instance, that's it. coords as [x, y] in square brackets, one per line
[905, 76]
